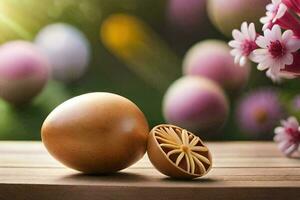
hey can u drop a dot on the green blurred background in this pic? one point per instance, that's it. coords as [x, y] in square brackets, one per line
[22, 19]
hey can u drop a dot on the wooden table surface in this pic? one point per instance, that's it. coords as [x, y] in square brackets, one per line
[241, 170]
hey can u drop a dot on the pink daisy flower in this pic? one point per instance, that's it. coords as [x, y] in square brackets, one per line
[278, 13]
[293, 5]
[288, 136]
[243, 43]
[280, 76]
[293, 69]
[275, 11]
[258, 112]
[275, 50]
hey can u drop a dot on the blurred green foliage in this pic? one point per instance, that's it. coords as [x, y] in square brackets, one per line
[106, 73]
[21, 19]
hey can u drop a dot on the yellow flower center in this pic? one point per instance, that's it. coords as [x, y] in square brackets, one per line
[185, 148]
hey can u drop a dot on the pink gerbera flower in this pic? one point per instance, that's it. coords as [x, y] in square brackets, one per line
[275, 50]
[288, 136]
[243, 43]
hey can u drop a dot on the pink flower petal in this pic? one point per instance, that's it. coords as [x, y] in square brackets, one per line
[237, 35]
[276, 78]
[265, 19]
[243, 61]
[276, 33]
[286, 60]
[293, 44]
[237, 59]
[279, 130]
[269, 7]
[288, 151]
[275, 69]
[259, 55]
[262, 42]
[252, 31]
[280, 137]
[276, 2]
[280, 12]
[292, 121]
[244, 29]
[284, 145]
[287, 35]
[266, 26]
[234, 44]
[287, 75]
[250, 56]
[235, 52]
[262, 67]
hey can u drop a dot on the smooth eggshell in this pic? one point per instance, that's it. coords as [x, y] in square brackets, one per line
[24, 71]
[186, 15]
[227, 15]
[67, 49]
[195, 103]
[212, 59]
[96, 133]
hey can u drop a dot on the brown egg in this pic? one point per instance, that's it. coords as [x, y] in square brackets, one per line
[177, 152]
[96, 133]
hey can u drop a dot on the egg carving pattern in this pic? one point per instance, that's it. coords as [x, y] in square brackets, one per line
[182, 149]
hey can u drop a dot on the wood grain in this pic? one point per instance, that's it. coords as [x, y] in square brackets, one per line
[241, 170]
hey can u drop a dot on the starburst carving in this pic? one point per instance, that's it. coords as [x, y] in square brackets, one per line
[184, 149]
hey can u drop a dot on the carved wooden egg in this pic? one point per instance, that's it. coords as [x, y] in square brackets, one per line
[177, 152]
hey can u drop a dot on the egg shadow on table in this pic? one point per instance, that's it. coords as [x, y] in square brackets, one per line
[200, 180]
[118, 176]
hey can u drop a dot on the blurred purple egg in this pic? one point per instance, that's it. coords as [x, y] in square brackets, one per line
[212, 59]
[259, 112]
[197, 104]
[296, 103]
[67, 49]
[24, 71]
[227, 15]
[186, 15]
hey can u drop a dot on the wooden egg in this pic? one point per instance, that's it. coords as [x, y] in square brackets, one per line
[177, 152]
[96, 133]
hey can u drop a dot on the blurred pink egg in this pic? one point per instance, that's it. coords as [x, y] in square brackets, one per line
[212, 59]
[24, 71]
[227, 15]
[186, 14]
[197, 104]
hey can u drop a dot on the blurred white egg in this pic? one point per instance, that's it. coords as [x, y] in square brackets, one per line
[67, 48]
